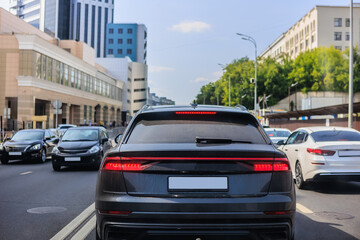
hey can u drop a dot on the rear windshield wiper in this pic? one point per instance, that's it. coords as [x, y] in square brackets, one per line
[217, 140]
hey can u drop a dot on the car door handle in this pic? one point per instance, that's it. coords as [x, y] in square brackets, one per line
[285, 149]
[296, 150]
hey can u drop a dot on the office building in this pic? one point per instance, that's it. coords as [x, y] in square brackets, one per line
[127, 40]
[80, 20]
[134, 76]
[37, 69]
[321, 26]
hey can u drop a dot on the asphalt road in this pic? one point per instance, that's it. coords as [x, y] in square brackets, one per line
[38, 203]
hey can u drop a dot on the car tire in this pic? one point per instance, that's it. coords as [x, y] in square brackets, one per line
[299, 179]
[42, 158]
[56, 166]
[96, 233]
[4, 161]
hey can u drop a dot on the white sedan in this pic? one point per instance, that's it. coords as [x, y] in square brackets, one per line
[318, 153]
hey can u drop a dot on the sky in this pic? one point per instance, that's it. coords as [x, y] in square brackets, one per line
[188, 39]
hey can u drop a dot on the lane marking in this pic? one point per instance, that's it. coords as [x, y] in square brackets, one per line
[68, 229]
[85, 230]
[25, 173]
[303, 209]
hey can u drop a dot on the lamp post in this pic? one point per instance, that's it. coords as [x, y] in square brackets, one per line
[223, 67]
[249, 38]
[292, 85]
[351, 93]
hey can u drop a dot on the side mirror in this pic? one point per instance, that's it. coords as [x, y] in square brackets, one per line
[104, 140]
[281, 142]
[48, 138]
[117, 139]
[56, 140]
[8, 138]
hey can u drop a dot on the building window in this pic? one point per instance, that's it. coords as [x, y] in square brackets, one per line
[105, 23]
[140, 100]
[99, 32]
[111, 41]
[306, 43]
[347, 22]
[93, 27]
[128, 51]
[129, 31]
[111, 30]
[139, 79]
[313, 38]
[337, 22]
[86, 23]
[129, 41]
[120, 51]
[78, 17]
[120, 41]
[120, 31]
[338, 47]
[110, 51]
[337, 36]
[347, 36]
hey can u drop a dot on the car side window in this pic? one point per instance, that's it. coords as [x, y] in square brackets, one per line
[103, 135]
[291, 138]
[300, 137]
[47, 134]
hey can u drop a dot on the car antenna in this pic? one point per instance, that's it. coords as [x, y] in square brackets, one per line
[194, 105]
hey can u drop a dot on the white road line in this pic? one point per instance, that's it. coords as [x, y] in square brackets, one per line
[85, 230]
[303, 209]
[74, 223]
[25, 173]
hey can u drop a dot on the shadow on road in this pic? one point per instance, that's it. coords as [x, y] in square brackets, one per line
[306, 228]
[340, 187]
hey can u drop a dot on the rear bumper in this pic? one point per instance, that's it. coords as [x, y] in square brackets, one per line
[337, 176]
[179, 218]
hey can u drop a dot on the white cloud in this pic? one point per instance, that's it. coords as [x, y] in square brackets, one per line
[201, 79]
[191, 26]
[158, 69]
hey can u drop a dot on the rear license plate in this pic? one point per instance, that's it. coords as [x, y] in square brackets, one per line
[198, 183]
[15, 153]
[72, 159]
[349, 153]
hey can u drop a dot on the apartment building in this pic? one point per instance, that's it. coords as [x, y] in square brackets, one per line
[321, 26]
[37, 69]
[123, 39]
[80, 20]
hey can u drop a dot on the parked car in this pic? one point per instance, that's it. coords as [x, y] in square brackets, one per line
[277, 134]
[80, 146]
[323, 153]
[194, 172]
[63, 127]
[31, 144]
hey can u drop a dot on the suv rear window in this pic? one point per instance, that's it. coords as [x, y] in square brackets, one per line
[185, 129]
[327, 136]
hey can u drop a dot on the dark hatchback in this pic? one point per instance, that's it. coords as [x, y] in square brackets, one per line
[188, 172]
[30, 144]
[81, 146]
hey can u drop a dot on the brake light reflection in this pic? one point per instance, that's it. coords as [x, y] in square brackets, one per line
[196, 113]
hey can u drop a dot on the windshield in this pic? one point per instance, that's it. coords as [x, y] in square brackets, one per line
[28, 135]
[80, 135]
[328, 136]
[277, 133]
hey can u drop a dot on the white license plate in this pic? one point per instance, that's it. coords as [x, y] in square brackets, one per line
[198, 183]
[349, 153]
[15, 153]
[72, 159]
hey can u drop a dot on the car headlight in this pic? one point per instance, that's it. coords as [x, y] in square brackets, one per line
[35, 147]
[94, 149]
[55, 150]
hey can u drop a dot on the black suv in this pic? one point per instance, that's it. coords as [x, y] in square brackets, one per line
[187, 172]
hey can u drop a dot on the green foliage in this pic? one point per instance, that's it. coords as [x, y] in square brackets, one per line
[322, 69]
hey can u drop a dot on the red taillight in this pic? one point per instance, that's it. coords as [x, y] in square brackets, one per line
[115, 164]
[196, 113]
[281, 164]
[320, 152]
[263, 167]
[281, 167]
[277, 212]
[115, 212]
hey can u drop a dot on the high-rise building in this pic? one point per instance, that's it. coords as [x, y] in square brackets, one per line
[127, 40]
[322, 26]
[50, 16]
[81, 20]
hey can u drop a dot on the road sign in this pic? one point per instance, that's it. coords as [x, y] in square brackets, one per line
[57, 111]
[57, 104]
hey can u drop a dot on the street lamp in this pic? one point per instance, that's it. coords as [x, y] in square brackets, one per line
[223, 67]
[292, 85]
[249, 38]
[351, 71]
